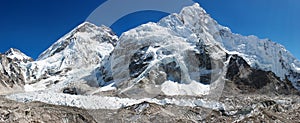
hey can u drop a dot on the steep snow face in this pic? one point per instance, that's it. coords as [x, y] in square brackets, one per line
[81, 50]
[259, 53]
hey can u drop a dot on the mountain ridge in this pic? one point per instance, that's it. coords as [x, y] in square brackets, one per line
[192, 24]
[86, 58]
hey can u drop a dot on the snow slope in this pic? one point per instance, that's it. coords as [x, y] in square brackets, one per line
[72, 58]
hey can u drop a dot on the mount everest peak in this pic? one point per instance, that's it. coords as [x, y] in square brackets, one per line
[184, 54]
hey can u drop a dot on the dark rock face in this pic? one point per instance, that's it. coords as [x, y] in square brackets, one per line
[104, 76]
[72, 91]
[234, 66]
[140, 61]
[203, 56]
[11, 75]
[295, 75]
[172, 70]
[248, 79]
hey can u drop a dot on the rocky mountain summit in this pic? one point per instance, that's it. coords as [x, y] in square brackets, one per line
[12, 76]
[184, 68]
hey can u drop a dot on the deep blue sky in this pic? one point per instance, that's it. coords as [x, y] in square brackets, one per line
[33, 25]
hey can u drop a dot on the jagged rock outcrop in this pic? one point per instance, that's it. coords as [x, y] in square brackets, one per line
[11, 76]
[250, 80]
[12, 71]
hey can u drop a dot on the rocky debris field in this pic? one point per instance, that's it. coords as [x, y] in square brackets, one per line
[237, 108]
[36, 112]
[240, 109]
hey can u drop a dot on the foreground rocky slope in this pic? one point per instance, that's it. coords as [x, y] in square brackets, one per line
[241, 108]
[36, 112]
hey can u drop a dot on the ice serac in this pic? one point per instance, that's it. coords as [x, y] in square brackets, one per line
[72, 59]
[260, 54]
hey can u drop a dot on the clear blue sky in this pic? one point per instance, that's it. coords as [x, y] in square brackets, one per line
[33, 25]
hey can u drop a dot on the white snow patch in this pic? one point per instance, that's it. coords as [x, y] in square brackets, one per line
[296, 68]
[194, 88]
[100, 102]
[109, 87]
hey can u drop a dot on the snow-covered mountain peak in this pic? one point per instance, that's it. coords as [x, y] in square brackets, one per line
[195, 18]
[76, 55]
[86, 25]
[196, 8]
[17, 55]
[259, 53]
[85, 34]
